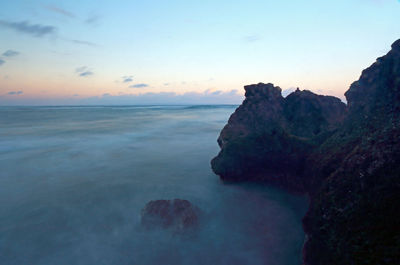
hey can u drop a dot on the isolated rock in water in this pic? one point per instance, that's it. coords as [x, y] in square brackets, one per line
[176, 214]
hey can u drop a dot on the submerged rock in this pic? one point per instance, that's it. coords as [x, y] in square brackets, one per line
[176, 214]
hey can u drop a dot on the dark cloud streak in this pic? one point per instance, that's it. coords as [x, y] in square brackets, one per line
[15, 92]
[36, 30]
[86, 73]
[10, 53]
[127, 79]
[83, 71]
[141, 85]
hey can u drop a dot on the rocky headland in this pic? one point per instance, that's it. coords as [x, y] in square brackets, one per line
[345, 157]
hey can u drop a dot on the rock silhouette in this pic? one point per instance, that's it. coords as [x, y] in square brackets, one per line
[347, 158]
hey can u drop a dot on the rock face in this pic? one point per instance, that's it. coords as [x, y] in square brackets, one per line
[177, 214]
[354, 216]
[347, 158]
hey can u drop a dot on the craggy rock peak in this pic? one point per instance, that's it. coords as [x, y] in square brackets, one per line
[268, 136]
[347, 158]
[176, 214]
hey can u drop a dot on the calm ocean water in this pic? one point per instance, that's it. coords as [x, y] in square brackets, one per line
[74, 179]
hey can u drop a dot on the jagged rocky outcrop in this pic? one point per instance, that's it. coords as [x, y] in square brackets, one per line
[268, 137]
[347, 158]
[178, 215]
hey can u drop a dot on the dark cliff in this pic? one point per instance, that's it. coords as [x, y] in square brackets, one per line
[347, 158]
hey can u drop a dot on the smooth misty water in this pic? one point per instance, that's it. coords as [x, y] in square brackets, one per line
[74, 179]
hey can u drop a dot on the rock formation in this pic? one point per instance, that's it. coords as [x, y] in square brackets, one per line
[347, 158]
[178, 215]
[268, 137]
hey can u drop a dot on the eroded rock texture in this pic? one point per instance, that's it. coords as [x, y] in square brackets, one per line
[347, 158]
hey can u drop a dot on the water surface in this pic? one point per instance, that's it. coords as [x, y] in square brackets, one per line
[74, 179]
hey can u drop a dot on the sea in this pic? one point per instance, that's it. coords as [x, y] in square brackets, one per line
[74, 179]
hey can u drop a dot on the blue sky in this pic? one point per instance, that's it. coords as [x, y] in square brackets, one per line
[78, 52]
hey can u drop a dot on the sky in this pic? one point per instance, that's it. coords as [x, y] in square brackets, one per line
[185, 52]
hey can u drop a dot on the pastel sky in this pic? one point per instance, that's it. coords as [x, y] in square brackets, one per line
[172, 52]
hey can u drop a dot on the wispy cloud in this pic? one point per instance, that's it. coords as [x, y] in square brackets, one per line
[10, 53]
[80, 69]
[86, 73]
[2, 62]
[252, 38]
[36, 30]
[127, 79]
[60, 11]
[141, 85]
[92, 20]
[15, 92]
[82, 42]
[83, 71]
